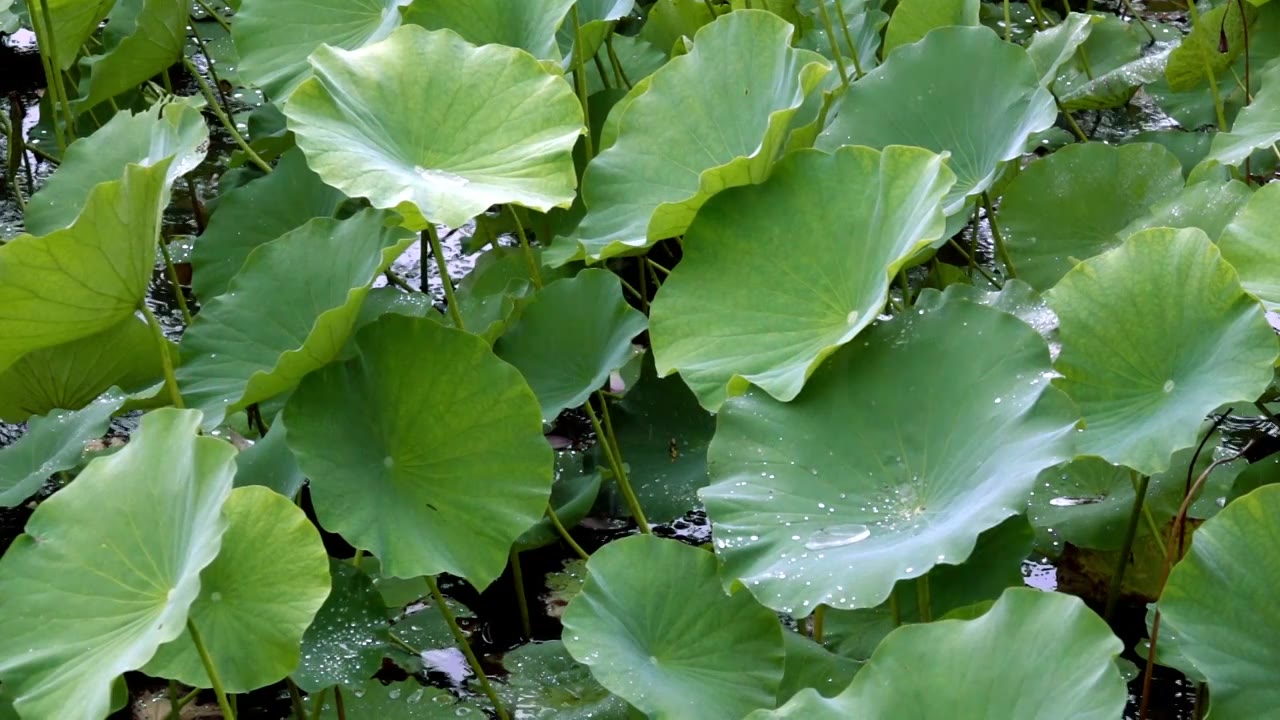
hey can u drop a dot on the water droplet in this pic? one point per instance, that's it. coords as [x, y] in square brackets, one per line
[837, 536]
[1168, 386]
[1073, 501]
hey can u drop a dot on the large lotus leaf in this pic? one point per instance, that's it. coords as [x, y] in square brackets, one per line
[1213, 44]
[1050, 49]
[275, 37]
[110, 565]
[913, 19]
[73, 21]
[1016, 298]
[714, 118]
[1033, 655]
[72, 374]
[85, 278]
[940, 103]
[286, 313]
[810, 665]
[51, 444]
[1251, 242]
[487, 125]
[407, 700]
[345, 644]
[165, 131]
[1070, 206]
[444, 450]
[835, 496]
[686, 654]
[1104, 72]
[256, 598]
[1256, 125]
[255, 214]
[528, 24]
[545, 682]
[1219, 599]
[670, 20]
[151, 39]
[837, 227]
[1156, 334]
[1208, 205]
[571, 335]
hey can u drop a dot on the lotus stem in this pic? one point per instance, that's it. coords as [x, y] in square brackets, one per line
[710, 10]
[534, 274]
[517, 577]
[1218, 108]
[53, 80]
[217, 17]
[631, 289]
[171, 273]
[848, 38]
[213, 73]
[619, 72]
[580, 81]
[895, 612]
[819, 619]
[317, 704]
[230, 126]
[831, 40]
[295, 697]
[465, 646]
[1008, 23]
[1126, 547]
[923, 603]
[604, 76]
[615, 464]
[211, 671]
[997, 236]
[175, 710]
[564, 533]
[905, 284]
[166, 361]
[1071, 121]
[339, 703]
[433, 239]
[187, 699]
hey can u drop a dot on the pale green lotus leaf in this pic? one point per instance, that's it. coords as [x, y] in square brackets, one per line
[837, 227]
[1251, 243]
[940, 103]
[528, 24]
[269, 462]
[696, 653]
[52, 443]
[1156, 334]
[1256, 126]
[488, 125]
[596, 19]
[709, 120]
[151, 39]
[1051, 48]
[73, 21]
[1209, 205]
[913, 19]
[1214, 43]
[109, 567]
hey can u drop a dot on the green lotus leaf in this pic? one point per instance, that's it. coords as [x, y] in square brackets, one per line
[423, 628]
[488, 125]
[256, 599]
[864, 21]
[1108, 67]
[73, 586]
[1208, 205]
[832, 497]
[571, 335]
[698, 653]
[444, 450]
[255, 214]
[72, 21]
[544, 681]
[496, 290]
[345, 644]
[1114, 87]
[795, 225]
[1213, 44]
[276, 37]
[1233, 637]
[270, 463]
[1016, 298]
[663, 434]
[573, 495]
[597, 19]
[712, 119]
[174, 131]
[1071, 205]
[85, 278]
[51, 444]
[1255, 126]
[638, 58]
[1256, 475]
[72, 374]
[151, 35]
[529, 25]
[913, 19]
[1033, 654]
[982, 119]
[1251, 243]
[1156, 334]
[810, 665]
[406, 700]
[1050, 49]
[287, 312]
[8, 24]
[670, 20]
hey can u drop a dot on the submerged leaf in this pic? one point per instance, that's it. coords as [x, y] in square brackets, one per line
[51, 444]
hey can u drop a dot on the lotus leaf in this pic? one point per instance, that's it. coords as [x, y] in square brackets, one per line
[1050, 49]
[1071, 205]
[913, 19]
[674, 149]
[276, 37]
[529, 24]
[150, 40]
[810, 665]
[1108, 66]
[573, 495]
[596, 21]
[310, 283]
[839, 227]
[1041, 655]
[71, 586]
[1155, 334]
[405, 474]
[52, 443]
[670, 656]
[72, 21]
[1218, 599]
[565, 361]
[863, 21]
[1255, 126]
[345, 644]
[544, 681]
[1208, 205]
[941, 104]
[270, 463]
[1213, 44]
[1251, 243]
[406, 700]
[671, 20]
[833, 497]
[451, 153]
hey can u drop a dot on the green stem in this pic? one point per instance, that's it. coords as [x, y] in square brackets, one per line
[665, 272]
[1130, 532]
[710, 10]
[1218, 108]
[619, 72]
[295, 696]
[1008, 23]
[339, 703]
[905, 284]
[49, 63]
[317, 704]
[895, 613]
[213, 73]
[534, 274]
[580, 80]
[187, 699]
[831, 40]
[631, 289]
[848, 38]
[615, 464]
[461, 640]
[564, 533]
[217, 17]
[172, 274]
[1071, 121]
[175, 710]
[923, 602]
[819, 620]
[433, 238]
[517, 577]
[973, 263]
[166, 360]
[211, 671]
[604, 76]
[223, 118]
[996, 235]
